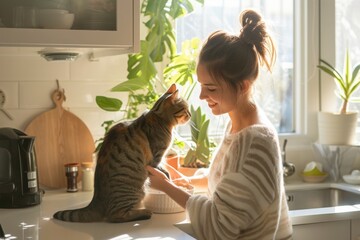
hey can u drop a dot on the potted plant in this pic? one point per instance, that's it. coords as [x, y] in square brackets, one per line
[200, 147]
[340, 128]
[143, 84]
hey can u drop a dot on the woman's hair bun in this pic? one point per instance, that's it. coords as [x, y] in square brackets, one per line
[253, 27]
[254, 33]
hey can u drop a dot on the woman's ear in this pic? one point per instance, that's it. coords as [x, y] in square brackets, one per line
[245, 86]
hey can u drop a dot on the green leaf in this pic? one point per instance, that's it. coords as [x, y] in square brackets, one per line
[108, 104]
[130, 85]
[203, 133]
[141, 65]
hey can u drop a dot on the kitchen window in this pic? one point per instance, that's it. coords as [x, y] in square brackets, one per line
[340, 29]
[274, 92]
[347, 35]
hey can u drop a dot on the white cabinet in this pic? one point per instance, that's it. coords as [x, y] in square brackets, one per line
[335, 230]
[125, 34]
[355, 229]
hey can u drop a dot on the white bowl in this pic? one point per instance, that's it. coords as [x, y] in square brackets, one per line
[58, 20]
[352, 179]
[160, 202]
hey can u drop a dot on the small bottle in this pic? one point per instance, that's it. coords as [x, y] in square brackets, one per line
[71, 172]
[87, 176]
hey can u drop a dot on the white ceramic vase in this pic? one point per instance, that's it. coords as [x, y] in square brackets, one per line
[337, 129]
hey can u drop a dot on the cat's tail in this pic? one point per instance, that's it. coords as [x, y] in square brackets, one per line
[86, 214]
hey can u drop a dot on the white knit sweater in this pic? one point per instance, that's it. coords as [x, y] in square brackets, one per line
[246, 190]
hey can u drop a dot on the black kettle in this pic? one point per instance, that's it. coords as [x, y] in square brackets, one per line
[19, 184]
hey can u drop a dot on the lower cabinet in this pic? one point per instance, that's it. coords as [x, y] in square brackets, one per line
[337, 230]
[355, 229]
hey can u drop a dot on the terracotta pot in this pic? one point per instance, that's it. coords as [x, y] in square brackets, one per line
[173, 160]
[187, 171]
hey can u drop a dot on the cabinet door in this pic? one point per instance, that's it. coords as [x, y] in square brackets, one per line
[323, 231]
[355, 229]
[124, 34]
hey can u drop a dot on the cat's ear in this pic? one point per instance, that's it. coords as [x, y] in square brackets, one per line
[171, 89]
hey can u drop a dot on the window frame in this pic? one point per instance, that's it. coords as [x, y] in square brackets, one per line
[306, 74]
[307, 85]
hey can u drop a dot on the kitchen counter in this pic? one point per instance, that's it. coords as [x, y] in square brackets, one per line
[37, 223]
[315, 215]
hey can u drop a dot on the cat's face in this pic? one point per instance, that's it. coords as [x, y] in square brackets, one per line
[172, 108]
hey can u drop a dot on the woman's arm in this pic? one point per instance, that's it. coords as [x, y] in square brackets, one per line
[198, 180]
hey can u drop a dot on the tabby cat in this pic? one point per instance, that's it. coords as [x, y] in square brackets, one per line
[121, 172]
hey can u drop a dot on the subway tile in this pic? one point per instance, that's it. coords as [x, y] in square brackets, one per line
[105, 69]
[36, 94]
[93, 118]
[83, 94]
[32, 68]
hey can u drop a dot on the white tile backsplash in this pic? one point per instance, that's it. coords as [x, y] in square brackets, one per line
[10, 90]
[28, 81]
[112, 68]
[32, 68]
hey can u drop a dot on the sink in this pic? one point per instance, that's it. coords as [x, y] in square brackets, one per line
[320, 198]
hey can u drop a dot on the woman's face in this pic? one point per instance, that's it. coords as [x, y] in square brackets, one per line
[221, 98]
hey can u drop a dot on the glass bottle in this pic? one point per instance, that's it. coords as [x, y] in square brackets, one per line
[87, 176]
[71, 172]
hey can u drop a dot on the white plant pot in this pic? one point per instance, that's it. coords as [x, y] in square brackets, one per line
[337, 129]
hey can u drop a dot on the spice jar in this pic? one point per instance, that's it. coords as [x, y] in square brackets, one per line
[71, 172]
[87, 176]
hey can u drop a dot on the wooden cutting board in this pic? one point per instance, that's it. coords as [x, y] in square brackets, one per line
[60, 138]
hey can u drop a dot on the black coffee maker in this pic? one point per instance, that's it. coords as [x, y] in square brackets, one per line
[19, 184]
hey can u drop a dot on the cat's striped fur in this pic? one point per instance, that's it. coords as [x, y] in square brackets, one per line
[120, 171]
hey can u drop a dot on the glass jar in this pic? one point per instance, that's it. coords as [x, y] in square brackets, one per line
[87, 176]
[71, 172]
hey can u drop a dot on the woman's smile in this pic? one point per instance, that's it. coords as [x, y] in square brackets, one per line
[211, 104]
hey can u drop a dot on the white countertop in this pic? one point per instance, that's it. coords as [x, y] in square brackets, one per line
[37, 223]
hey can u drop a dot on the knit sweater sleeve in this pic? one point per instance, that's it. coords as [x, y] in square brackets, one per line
[246, 190]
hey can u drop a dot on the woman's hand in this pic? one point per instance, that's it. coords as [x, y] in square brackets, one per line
[177, 177]
[159, 181]
[157, 178]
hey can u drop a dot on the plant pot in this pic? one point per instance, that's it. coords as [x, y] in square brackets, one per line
[337, 129]
[188, 171]
[172, 160]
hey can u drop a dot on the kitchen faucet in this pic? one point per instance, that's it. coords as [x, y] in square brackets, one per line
[288, 168]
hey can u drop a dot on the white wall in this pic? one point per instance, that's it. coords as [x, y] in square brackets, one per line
[28, 81]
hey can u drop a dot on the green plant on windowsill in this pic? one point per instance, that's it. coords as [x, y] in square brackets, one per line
[339, 128]
[201, 147]
[347, 83]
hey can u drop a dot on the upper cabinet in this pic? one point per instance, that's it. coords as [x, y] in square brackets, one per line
[100, 24]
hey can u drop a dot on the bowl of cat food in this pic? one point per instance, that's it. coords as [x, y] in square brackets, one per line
[159, 202]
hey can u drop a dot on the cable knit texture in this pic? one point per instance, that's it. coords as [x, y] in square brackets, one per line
[246, 190]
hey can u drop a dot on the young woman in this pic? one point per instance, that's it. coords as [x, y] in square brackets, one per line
[246, 197]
